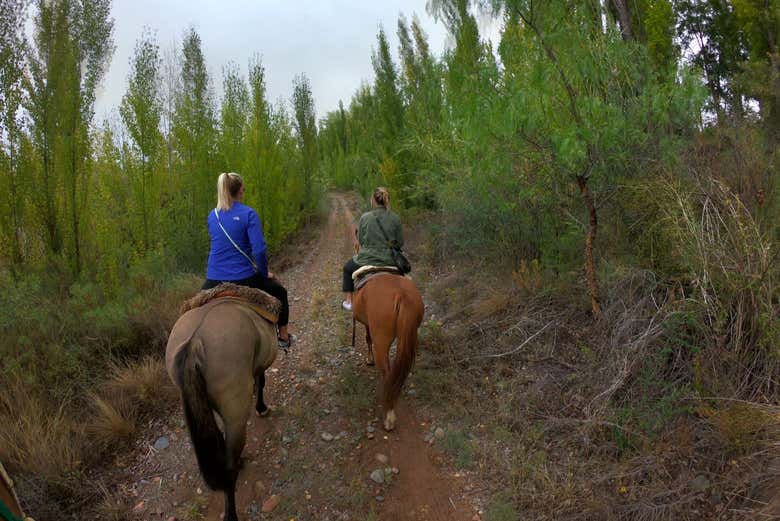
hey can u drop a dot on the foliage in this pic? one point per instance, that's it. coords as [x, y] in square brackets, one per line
[520, 156]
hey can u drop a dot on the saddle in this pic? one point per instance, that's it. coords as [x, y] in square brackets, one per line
[366, 273]
[265, 305]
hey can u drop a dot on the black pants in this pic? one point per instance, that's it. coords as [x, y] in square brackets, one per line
[350, 267]
[270, 286]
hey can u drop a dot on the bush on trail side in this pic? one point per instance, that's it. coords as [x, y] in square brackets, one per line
[594, 420]
[663, 409]
[74, 392]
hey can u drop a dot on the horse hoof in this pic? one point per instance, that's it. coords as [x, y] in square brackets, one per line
[370, 362]
[265, 412]
[390, 421]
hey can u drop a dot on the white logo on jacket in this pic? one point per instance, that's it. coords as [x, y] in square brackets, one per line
[236, 218]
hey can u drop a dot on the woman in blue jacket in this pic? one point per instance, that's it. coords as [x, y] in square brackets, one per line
[238, 251]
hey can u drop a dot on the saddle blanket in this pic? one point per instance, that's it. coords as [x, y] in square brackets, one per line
[259, 301]
[366, 273]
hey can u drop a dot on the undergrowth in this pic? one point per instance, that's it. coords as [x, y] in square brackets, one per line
[80, 370]
[665, 408]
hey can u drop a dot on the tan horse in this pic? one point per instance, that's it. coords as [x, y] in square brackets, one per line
[390, 306]
[215, 352]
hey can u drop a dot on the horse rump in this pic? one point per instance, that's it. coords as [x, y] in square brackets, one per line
[207, 439]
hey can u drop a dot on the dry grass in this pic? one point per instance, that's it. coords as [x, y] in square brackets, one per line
[318, 304]
[134, 389]
[113, 421]
[493, 303]
[742, 427]
[733, 268]
[146, 382]
[591, 421]
[111, 507]
[38, 436]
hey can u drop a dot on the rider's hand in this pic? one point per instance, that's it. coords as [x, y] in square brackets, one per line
[270, 274]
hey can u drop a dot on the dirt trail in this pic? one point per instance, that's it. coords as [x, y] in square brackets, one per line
[318, 448]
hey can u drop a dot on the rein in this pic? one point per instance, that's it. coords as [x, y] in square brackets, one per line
[353, 330]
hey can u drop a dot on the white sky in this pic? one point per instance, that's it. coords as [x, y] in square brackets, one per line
[330, 41]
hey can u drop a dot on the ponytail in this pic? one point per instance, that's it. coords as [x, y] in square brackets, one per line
[228, 186]
[381, 197]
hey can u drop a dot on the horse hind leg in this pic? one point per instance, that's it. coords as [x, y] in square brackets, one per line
[382, 357]
[261, 408]
[235, 439]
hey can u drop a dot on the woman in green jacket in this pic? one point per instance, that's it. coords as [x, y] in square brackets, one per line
[373, 249]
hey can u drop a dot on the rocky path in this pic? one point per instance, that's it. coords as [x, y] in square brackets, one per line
[321, 454]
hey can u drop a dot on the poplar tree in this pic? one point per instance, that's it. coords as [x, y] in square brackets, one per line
[388, 96]
[74, 45]
[306, 130]
[235, 106]
[262, 162]
[194, 130]
[12, 48]
[141, 111]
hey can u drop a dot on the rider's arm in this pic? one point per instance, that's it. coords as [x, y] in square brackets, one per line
[355, 242]
[259, 251]
[399, 234]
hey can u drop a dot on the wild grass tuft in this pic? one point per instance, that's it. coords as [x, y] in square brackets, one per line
[460, 447]
[355, 391]
[111, 507]
[501, 509]
[145, 381]
[38, 436]
[113, 420]
[742, 427]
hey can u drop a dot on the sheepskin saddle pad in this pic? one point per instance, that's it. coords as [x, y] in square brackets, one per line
[366, 273]
[259, 301]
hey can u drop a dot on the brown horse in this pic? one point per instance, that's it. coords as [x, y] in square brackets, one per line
[215, 354]
[390, 306]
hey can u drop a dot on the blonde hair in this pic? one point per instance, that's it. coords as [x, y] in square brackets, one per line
[228, 185]
[381, 197]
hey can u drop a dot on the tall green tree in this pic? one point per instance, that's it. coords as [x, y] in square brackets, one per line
[390, 105]
[12, 179]
[74, 45]
[195, 132]
[306, 130]
[759, 21]
[141, 111]
[711, 35]
[234, 110]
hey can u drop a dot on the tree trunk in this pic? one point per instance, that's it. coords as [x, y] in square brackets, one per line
[590, 267]
[624, 18]
[74, 213]
[774, 79]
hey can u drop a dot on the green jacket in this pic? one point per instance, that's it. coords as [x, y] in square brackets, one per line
[374, 249]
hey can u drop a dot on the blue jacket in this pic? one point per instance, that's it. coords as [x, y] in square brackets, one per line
[225, 261]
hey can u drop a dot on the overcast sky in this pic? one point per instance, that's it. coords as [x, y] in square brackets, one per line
[330, 41]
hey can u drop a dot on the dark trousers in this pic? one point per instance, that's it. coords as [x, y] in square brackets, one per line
[270, 286]
[350, 267]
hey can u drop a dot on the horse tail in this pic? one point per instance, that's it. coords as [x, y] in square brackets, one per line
[207, 439]
[407, 322]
